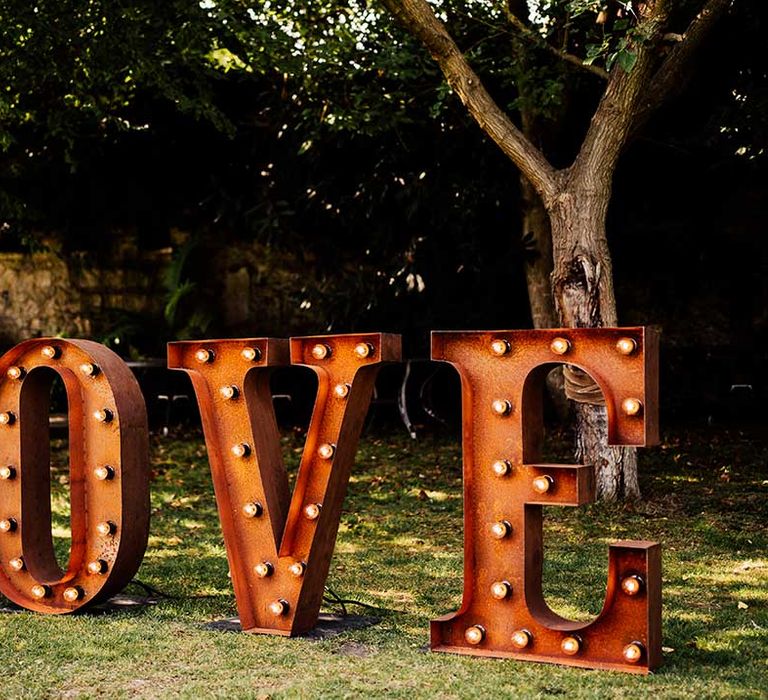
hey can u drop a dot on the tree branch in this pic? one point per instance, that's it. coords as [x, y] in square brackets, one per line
[539, 41]
[673, 74]
[613, 118]
[419, 19]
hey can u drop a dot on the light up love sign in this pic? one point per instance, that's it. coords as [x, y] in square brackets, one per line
[279, 545]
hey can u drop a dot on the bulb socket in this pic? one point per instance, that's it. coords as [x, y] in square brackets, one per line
[363, 350]
[321, 351]
[106, 528]
[16, 373]
[501, 467]
[521, 639]
[633, 652]
[50, 352]
[632, 406]
[501, 529]
[501, 407]
[312, 511]
[8, 525]
[500, 347]
[104, 473]
[103, 415]
[97, 566]
[263, 569]
[252, 510]
[73, 594]
[474, 634]
[298, 568]
[250, 354]
[501, 589]
[560, 346]
[204, 355]
[7, 473]
[542, 484]
[626, 346]
[7, 418]
[279, 607]
[241, 450]
[632, 585]
[341, 391]
[39, 591]
[326, 450]
[89, 369]
[17, 564]
[229, 392]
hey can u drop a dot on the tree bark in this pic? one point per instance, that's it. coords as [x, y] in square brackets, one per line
[582, 285]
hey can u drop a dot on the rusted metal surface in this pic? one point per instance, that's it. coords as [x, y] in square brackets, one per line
[503, 611]
[108, 472]
[279, 546]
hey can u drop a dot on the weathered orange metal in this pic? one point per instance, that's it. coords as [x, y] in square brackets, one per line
[279, 547]
[503, 611]
[108, 473]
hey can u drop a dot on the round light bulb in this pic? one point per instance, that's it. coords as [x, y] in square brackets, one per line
[106, 527]
[500, 347]
[475, 634]
[501, 529]
[363, 350]
[103, 415]
[204, 355]
[633, 652]
[560, 346]
[521, 638]
[501, 467]
[278, 607]
[312, 511]
[89, 369]
[626, 346]
[39, 591]
[298, 568]
[341, 391]
[326, 450]
[8, 525]
[501, 590]
[321, 352]
[73, 594]
[631, 406]
[7, 473]
[252, 510]
[263, 569]
[15, 372]
[7, 418]
[97, 566]
[229, 392]
[50, 352]
[250, 354]
[570, 646]
[632, 585]
[501, 407]
[104, 473]
[542, 484]
[242, 449]
[16, 564]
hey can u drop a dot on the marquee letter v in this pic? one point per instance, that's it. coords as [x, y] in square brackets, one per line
[280, 546]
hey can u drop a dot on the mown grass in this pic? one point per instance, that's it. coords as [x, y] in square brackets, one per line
[399, 549]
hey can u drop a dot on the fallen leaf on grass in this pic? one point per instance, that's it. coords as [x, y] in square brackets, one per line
[742, 605]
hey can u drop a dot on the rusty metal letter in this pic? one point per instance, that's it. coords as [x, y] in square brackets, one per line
[503, 611]
[279, 546]
[108, 471]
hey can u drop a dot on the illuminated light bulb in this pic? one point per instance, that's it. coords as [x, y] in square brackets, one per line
[7, 418]
[251, 354]
[73, 594]
[263, 569]
[501, 589]
[298, 568]
[321, 352]
[475, 634]
[500, 347]
[341, 391]
[7, 473]
[631, 406]
[363, 350]
[50, 352]
[560, 346]
[501, 467]
[521, 638]
[16, 564]
[106, 527]
[570, 646]
[104, 473]
[326, 450]
[203, 356]
[39, 591]
[16, 372]
[542, 484]
[229, 392]
[501, 407]
[312, 511]
[89, 369]
[632, 585]
[278, 607]
[8, 525]
[97, 566]
[242, 449]
[501, 529]
[103, 415]
[252, 510]
[626, 346]
[633, 652]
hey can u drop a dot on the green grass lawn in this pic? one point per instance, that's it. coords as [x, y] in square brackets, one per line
[400, 549]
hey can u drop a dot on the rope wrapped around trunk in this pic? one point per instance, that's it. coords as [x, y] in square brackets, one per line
[580, 387]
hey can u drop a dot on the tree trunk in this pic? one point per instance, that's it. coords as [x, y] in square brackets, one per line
[582, 286]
